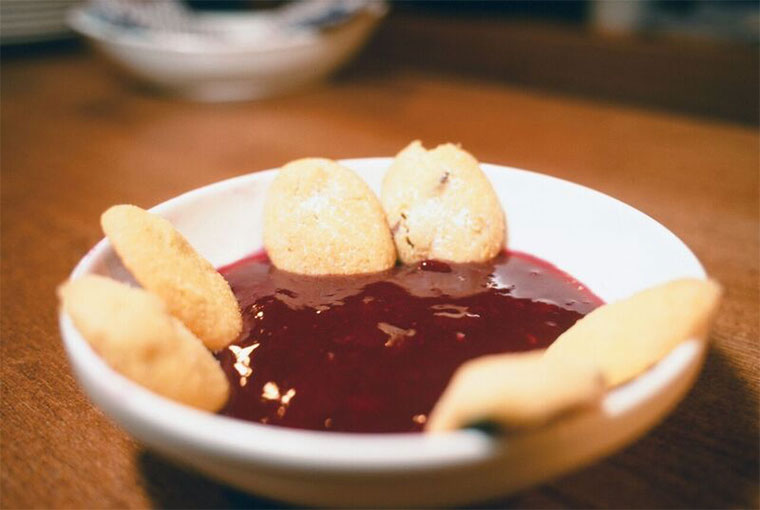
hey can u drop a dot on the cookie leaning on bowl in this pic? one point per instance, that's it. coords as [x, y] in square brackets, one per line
[610, 346]
[148, 335]
[165, 263]
[134, 333]
[513, 391]
[627, 337]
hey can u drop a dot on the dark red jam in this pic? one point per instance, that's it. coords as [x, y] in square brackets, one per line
[373, 353]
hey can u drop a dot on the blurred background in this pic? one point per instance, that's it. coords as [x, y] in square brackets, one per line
[135, 101]
[692, 56]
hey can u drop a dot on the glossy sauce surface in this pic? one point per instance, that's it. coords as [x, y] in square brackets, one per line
[373, 353]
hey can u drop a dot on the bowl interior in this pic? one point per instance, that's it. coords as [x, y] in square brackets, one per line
[611, 247]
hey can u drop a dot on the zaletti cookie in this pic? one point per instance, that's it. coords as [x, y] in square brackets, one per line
[625, 338]
[135, 334]
[321, 218]
[440, 205]
[514, 391]
[164, 263]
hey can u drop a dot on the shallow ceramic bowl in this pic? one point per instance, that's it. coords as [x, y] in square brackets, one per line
[229, 72]
[613, 248]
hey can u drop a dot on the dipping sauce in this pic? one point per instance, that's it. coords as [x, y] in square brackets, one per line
[373, 353]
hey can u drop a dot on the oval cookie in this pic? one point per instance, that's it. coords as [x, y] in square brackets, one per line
[625, 338]
[514, 391]
[320, 218]
[133, 331]
[162, 260]
[440, 205]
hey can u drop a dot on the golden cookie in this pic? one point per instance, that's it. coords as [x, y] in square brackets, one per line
[133, 331]
[164, 263]
[626, 337]
[514, 391]
[440, 205]
[321, 218]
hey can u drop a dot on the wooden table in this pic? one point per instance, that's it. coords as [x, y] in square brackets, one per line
[75, 140]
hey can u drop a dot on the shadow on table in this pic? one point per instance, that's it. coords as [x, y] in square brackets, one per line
[703, 456]
[170, 486]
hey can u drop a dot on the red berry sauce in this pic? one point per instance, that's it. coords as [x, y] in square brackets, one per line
[373, 353]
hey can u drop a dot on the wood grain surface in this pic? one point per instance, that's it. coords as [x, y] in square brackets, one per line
[76, 139]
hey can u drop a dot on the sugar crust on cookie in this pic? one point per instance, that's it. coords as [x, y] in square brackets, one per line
[134, 333]
[440, 205]
[320, 218]
[165, 263]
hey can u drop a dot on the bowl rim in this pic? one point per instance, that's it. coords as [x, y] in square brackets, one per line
[246, 442]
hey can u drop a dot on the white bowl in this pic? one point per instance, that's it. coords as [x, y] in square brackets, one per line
[613, 248]
[228, 72]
